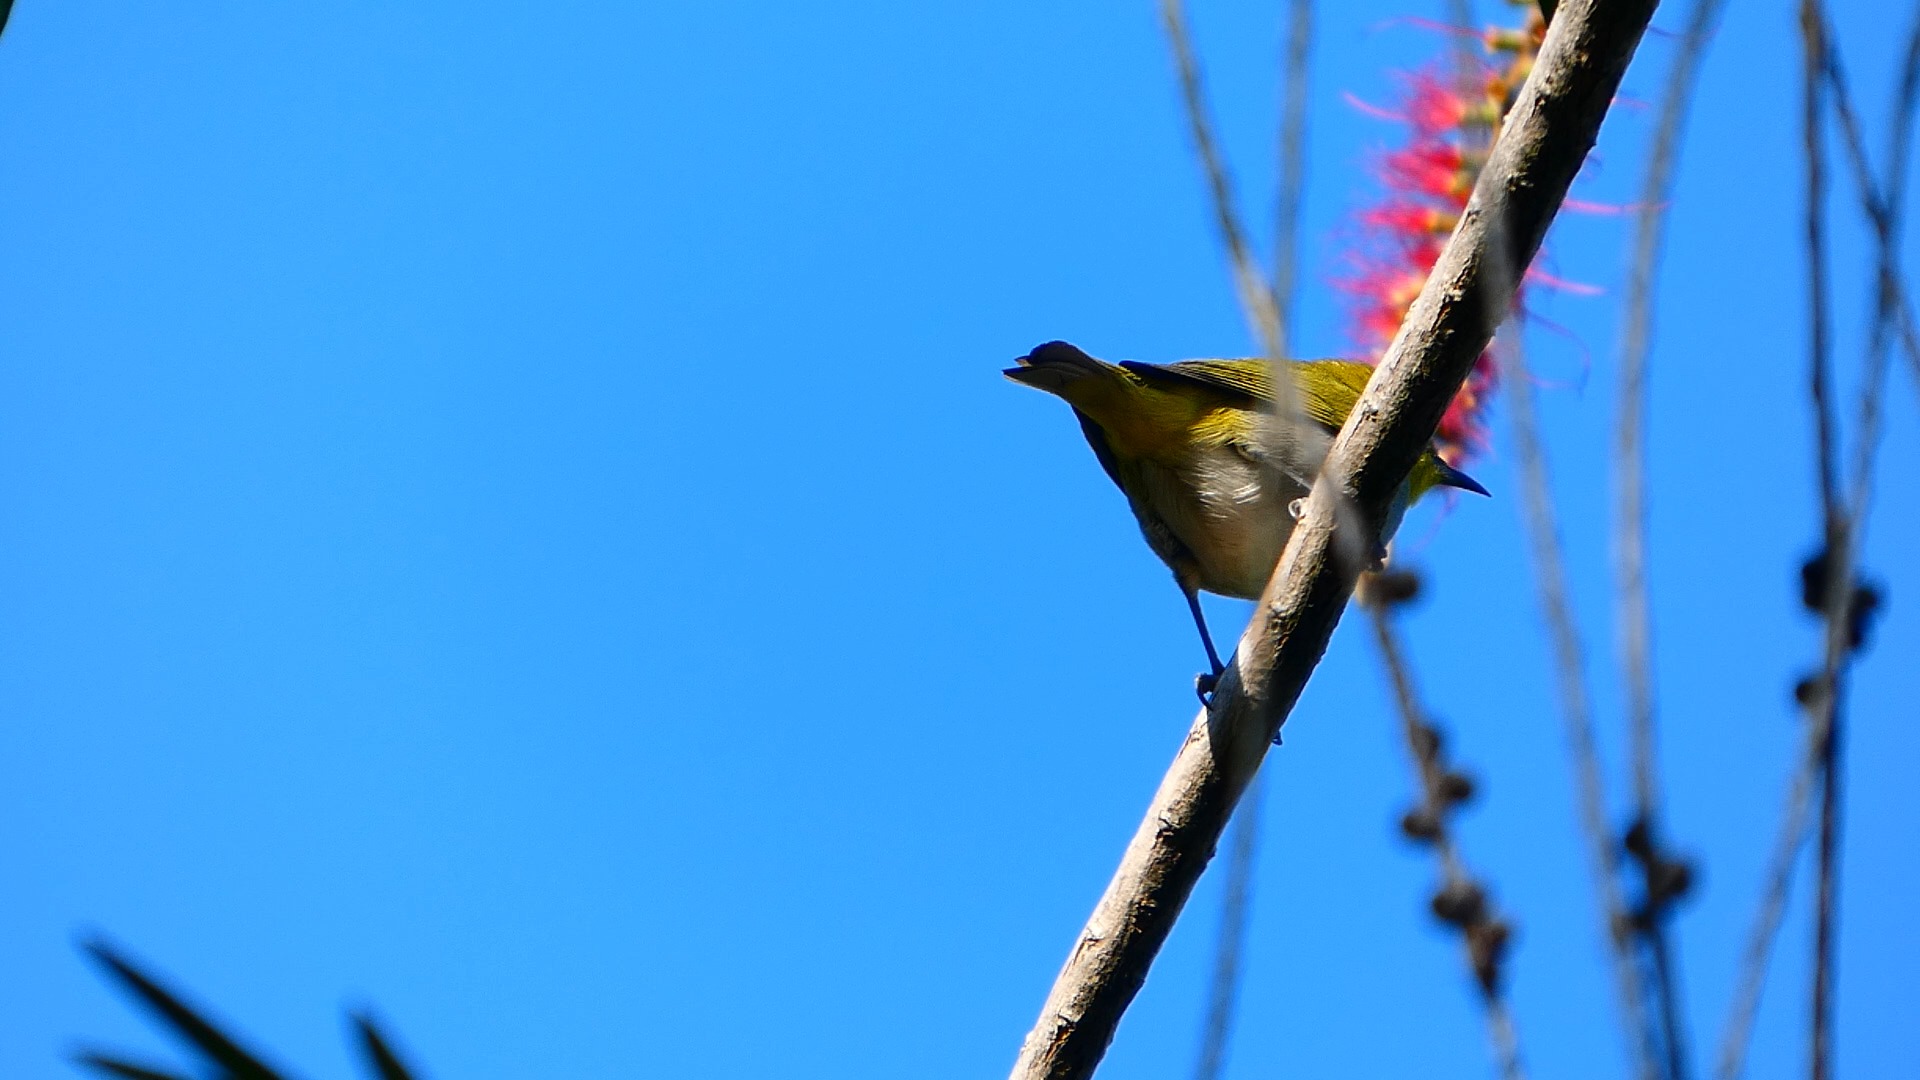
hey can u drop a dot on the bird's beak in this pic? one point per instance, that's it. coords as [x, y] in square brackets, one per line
[1452, 477]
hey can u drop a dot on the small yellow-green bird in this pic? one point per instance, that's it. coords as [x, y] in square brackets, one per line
[1210, 469]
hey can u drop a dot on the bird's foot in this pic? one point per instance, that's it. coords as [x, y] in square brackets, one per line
[1203, 685]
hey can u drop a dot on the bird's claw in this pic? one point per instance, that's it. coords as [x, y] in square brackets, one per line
[1203, 685]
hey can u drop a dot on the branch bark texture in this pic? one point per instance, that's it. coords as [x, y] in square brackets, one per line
[1552, 125]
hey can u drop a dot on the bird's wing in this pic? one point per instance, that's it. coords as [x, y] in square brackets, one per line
[1247, 383]
[1326, 401]
[1097, 439]
[1329, 400]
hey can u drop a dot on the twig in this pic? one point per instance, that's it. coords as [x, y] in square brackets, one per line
[1887, 289]
[1836, 593]
[1813, 131]
[1467, 82]
[1461, 900]
[1882, 207]
[1550, 128]
[1773, 904]
[1838, 554]
[1234, 910]
[1882, 212]
[1630, 449]
[1846, 527]
[1842, 602]
[1293, 157]
[1827, 904]
[1630, 524]
[1550, 578]
[1906, 100]
[1255, 295]
[1665, 980]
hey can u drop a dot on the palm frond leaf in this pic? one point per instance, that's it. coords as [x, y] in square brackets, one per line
[220, 1050]
[121, 1067]
[378, 1050]
[184, 1021]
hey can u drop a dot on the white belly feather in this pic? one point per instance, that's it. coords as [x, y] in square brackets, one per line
[1230, 513]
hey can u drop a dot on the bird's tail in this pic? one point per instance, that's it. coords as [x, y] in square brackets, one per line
[1055, 366]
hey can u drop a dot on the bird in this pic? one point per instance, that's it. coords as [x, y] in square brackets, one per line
[1212, 472]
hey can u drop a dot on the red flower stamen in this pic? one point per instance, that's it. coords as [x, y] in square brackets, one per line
[1428, 179]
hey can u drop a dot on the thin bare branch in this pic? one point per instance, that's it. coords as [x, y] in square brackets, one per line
[1887, 287]
[1468, 80]
[1633, 609]
[1549, 130]
[1576, 712]
[1837, 549]
[1882, 208]
[1899, 148]
[1831, 573]
[1883, 214]
[1826, 898]
[1293, 161]
[1843, 527]
[1813, 129]
[1255, 294]
[1630, 449]
[1234, 916]
[1773, 905]
[1461, 899]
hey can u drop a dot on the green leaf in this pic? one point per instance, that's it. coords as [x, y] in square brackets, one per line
[121, 1067]
[379, 1051]
[222, 1050]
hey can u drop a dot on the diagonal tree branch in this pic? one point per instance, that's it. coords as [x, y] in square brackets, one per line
[1552, 125]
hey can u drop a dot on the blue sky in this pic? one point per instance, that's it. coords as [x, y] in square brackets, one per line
[512, 516]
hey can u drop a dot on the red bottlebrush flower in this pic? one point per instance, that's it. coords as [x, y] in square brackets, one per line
[1462, 430]
[1427, 167]
[1409, 223]
[1428, 178]
[1432, 107]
